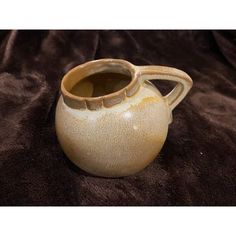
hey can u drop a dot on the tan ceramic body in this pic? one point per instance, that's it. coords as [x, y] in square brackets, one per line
[115, 141]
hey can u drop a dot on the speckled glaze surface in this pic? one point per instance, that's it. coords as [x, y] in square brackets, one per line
[118, 134]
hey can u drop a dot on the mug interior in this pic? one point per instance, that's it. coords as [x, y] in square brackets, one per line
[100, 84]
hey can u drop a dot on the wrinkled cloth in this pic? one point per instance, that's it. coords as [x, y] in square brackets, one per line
[197, 165]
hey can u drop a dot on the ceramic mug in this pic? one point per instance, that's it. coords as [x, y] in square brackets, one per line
[120, 133]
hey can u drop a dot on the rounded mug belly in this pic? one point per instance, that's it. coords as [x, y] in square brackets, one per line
[116, 141]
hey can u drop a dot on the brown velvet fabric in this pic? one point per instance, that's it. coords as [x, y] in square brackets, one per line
[197, 165]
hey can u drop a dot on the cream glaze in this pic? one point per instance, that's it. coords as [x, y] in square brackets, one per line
[123, 138]
[115, 142]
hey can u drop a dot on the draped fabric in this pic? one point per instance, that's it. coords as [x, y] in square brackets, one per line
[197, 165]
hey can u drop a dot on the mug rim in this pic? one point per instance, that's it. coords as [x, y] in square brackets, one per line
[107, 100]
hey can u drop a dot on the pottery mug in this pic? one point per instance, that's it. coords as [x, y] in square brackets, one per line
[119, 133]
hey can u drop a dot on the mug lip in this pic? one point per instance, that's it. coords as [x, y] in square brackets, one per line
[107, 100]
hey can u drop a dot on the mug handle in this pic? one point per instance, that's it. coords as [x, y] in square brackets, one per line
[184, 82]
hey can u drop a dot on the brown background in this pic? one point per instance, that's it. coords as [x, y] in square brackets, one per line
[197, 165]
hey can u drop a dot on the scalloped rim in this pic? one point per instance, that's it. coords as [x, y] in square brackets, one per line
[109, 100]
